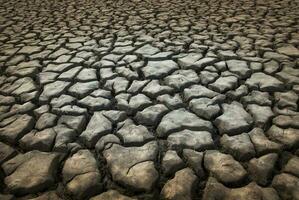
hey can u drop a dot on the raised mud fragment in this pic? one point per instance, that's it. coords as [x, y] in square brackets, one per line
[31, 172]
[133, 166]
[174, 100]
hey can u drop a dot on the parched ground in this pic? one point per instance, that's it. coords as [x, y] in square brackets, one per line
[153, 99]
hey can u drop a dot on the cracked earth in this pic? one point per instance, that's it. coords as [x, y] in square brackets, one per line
[153, 99]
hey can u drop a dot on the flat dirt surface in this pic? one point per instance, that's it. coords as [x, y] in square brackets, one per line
[153, 99]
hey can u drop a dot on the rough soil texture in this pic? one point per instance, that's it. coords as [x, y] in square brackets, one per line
[154, 99]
